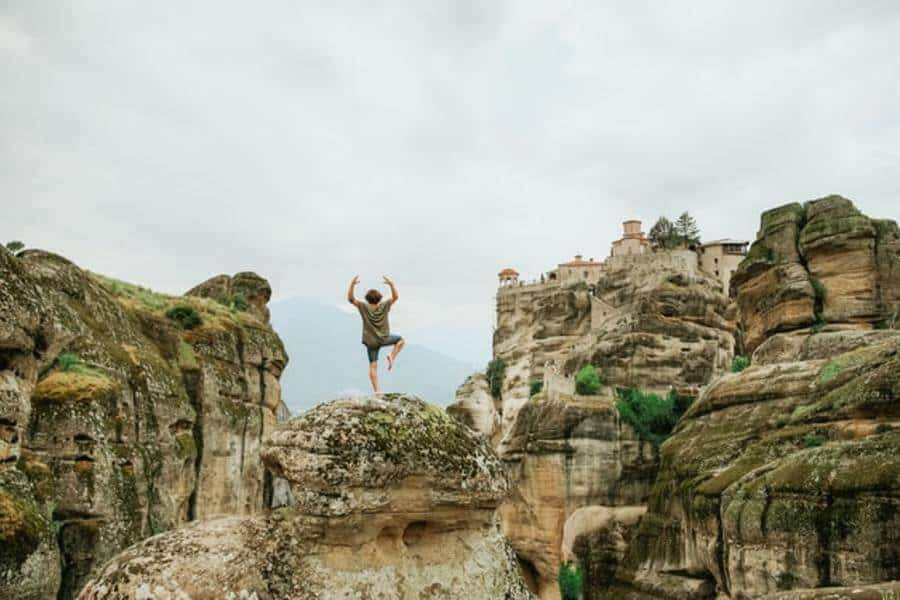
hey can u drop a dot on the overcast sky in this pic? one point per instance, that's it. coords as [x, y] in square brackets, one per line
[165, 142]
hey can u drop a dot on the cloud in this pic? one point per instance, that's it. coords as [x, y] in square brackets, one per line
[433, 141]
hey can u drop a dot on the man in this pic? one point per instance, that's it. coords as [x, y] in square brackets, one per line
[376, 331]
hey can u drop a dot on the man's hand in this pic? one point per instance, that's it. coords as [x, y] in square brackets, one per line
[394, 294]
[350, 289]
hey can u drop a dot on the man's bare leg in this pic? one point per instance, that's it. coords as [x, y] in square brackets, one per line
[373, 375]
[393, 356]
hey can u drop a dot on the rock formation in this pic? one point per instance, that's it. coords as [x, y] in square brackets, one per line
[785, 478]
[393, 499]
[116, 423]
[652, 321]
[576, 469]
[822, 262]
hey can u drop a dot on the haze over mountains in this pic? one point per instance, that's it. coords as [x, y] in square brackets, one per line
[328, 360]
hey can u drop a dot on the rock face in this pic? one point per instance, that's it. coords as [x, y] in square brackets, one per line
[115, 423]
[393, 499]
[652, 321]
[785, 478]
[822, 262]
[477, 408]
[576, 469]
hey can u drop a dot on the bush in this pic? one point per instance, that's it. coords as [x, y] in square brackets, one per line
[821, 293]
[69, 362]
[535, 387]
[571, 581]
[14, 246]
[652, 416]
[739, 363]
[813, 440]
[234, 303]
[587, 381]
[496, 371]
[185, 316]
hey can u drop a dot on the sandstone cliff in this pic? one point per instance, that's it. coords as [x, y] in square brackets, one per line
[785, 478]
[116, 423]
[577, 471]
[651, 321]
[393, 499]
[575, 468]
[815, 264]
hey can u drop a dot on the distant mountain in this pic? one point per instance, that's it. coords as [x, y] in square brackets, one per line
[328, 360]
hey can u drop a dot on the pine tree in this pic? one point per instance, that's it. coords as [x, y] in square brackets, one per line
[687, 230]
[14, 246]
[662, 234]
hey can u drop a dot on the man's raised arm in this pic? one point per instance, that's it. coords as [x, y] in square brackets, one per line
[350, 295]
[394, 294]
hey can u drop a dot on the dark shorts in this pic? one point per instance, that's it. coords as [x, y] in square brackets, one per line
[372, 351]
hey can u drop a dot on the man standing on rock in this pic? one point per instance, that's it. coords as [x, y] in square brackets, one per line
[376, 331]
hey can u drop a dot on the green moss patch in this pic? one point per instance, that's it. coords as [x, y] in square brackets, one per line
[22, 527]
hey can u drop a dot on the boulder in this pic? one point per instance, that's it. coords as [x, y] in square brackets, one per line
[393, 499]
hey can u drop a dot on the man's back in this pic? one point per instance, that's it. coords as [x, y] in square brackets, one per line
[375, 325]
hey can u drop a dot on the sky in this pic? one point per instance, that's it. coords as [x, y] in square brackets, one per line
[436, 142]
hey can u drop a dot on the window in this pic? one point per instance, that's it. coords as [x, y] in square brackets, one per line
[585, 274]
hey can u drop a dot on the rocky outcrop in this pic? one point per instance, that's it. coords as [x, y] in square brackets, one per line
[245, 291]
[393, 499]
[116, 423]
[575, 469]
[784, 479]
[578, 473]
[477, 408]
[651, 321]
[819, 263]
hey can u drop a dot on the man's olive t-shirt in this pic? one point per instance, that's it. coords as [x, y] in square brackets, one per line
[375, 326]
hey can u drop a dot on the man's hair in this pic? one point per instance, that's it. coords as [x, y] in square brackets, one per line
[373, 296]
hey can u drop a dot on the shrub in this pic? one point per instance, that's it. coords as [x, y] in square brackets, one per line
[587, 381]
[14, 246]
[813, 440]
[571, 581]
[69, 362]
[496, 371]
[739, 363]
[884, 428]
[186, 316]
[234, 302]
[821, 293]
[653, 417]
[535, 387]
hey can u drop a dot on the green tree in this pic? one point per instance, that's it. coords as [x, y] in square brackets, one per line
[571, 581]
[14, 246]
[687, 230]
[496, 371]
[662, 234]
[587, 381]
